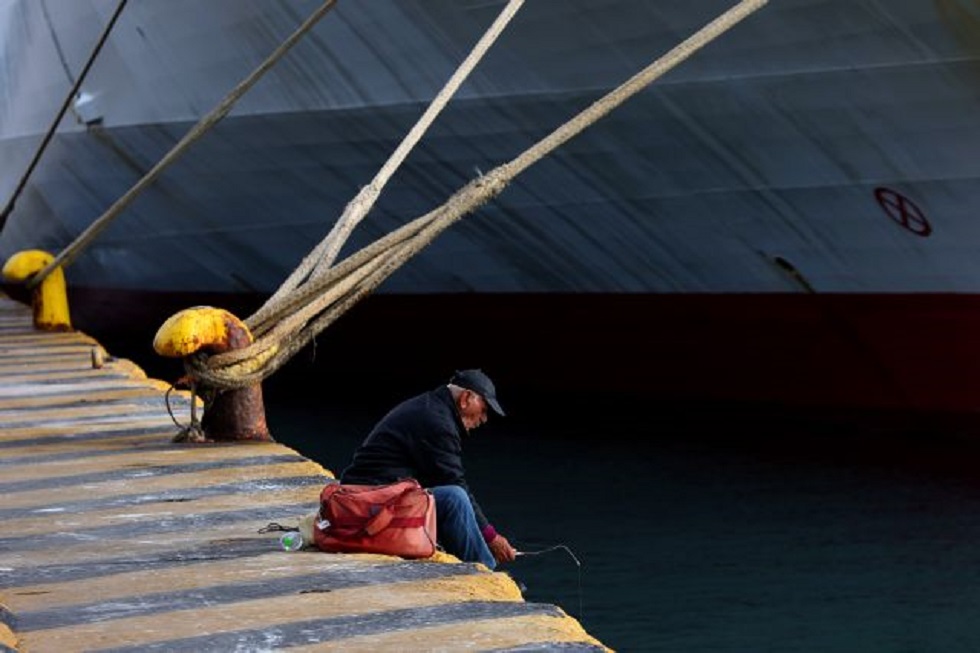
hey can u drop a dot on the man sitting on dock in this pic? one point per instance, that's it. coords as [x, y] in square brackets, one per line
[421, 438]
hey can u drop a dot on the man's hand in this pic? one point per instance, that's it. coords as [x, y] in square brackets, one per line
[502, 550]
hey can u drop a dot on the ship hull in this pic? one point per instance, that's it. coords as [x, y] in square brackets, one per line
[786, 219]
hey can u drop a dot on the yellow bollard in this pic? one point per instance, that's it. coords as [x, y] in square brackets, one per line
[50, 298]
[229, 414]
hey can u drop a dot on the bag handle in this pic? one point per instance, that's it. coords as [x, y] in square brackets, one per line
[380, 521]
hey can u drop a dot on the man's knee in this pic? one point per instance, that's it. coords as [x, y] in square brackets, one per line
[451, 498]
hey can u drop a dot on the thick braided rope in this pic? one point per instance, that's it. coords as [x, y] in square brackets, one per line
[84, 239]
[638, 82]
[411, 238]
[345, 288]
[312, 289]
[319, 260]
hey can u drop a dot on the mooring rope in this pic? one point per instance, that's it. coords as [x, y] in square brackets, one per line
[71, 252]
[302, 313]
[193, 431]
[319, 260]
[72, 94]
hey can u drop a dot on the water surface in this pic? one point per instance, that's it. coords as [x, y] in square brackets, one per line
[727, 534]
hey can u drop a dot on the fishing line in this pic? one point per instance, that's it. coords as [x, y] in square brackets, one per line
[578, 564]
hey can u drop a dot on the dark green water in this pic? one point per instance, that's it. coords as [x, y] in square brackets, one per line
[726, 535]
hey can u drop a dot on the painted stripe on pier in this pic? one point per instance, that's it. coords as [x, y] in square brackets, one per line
[44, 378]
[48, 367]
[337, 629]
[54, 480]
[105, 432]
[32, 391]
[6, 616]
[226, 563]
[77, 415]
[549, 646]
[147, 603]
[152, 520]
[118, 487]
[75, 453]
[328, 615]
[29, 340]
[163, 547]
[8, 640]
[71, 430]
[67, 427]
[536, 632]
[23, 351]
[33, 581]
[180, 495]
[117, 399]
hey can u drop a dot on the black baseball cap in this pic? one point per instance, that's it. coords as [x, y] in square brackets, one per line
[479, 383]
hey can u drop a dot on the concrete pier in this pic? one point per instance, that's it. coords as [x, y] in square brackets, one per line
[114, 538]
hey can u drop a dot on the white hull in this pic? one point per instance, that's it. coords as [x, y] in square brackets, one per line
[779, 162]
[770, 143]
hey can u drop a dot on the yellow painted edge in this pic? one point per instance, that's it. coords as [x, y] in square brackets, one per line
[8, 638]
[40, 498]
[164, 423]
[266, 612]
[485, 634]
[127, 367]
[106, 398]
[33, 338]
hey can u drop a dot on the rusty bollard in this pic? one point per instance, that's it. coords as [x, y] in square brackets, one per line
[229, 415]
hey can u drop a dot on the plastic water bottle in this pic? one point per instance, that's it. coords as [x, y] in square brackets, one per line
[291, 541]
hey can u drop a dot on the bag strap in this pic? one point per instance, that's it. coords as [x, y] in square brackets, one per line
[276, 526]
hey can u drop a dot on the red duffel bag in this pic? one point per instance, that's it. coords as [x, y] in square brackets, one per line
[397, 519]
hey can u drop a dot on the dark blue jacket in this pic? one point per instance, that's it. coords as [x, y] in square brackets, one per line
[420, 438]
